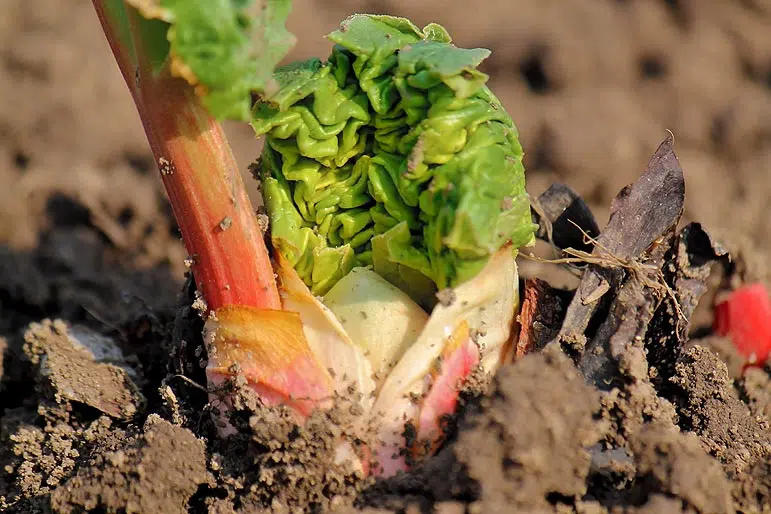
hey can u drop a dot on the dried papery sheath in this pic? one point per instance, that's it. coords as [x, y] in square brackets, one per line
[392, 154]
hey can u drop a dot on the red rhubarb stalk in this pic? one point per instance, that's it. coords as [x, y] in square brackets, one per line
[229, 259]
[246, 327]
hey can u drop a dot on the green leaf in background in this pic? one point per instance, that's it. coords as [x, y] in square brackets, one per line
[395, 154]
[227, 49]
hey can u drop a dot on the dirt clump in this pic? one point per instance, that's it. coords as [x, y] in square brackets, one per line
[532, 441]
[273, 461]
[728, 429]
[666, 460]
[726, 351]
[523, 449]
[36, 460]
[68, 370]
[711, 407]
[542, 438]
[157, 471]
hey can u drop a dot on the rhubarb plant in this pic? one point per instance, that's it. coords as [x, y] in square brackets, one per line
[395, 194]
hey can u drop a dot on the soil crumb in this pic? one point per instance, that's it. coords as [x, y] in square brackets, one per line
[274, 462]
[726, 352]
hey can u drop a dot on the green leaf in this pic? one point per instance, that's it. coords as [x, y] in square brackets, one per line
[228, 49]
[376, 37]
[429, 62]
[396, 259]
[396, 150]
[319, 265]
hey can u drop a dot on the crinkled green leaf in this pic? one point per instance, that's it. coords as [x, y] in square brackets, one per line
[228, 49]
[395, 150]
[377, 37]
[427, 63]
[319, 265]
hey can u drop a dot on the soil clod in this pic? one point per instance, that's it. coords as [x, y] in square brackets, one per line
[71, 366]
[158, 471]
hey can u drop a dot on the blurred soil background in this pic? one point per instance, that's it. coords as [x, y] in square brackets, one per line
[593, 86]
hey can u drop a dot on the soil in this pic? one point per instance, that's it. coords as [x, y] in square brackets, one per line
[102, 400]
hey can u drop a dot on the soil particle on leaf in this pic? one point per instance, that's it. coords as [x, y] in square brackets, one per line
[158, 471]
[446, 296]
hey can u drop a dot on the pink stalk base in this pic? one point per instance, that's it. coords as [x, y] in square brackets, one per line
[459, 359]
[227, 253]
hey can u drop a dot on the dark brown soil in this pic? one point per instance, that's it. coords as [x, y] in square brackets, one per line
[102, 407]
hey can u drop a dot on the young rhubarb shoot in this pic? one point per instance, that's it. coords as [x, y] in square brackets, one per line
[392, 154]
[393, 178]
[394, 184]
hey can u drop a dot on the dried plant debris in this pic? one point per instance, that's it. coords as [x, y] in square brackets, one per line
[564, 219]
[540, 318]
[642, 281]
[626, 327]
[686, 270]
[641, 216]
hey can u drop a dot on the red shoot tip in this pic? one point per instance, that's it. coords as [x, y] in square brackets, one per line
[745, 316]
